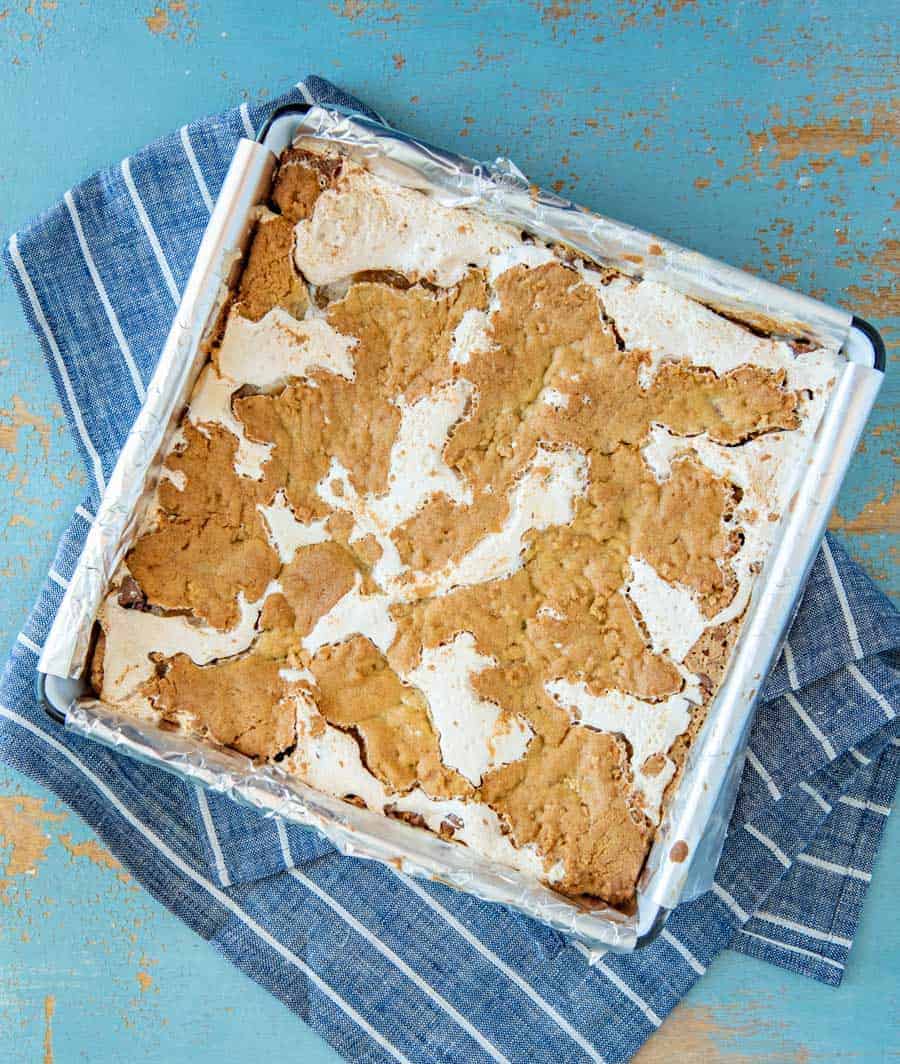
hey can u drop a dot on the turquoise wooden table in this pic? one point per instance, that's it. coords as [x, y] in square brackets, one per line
[760, 133]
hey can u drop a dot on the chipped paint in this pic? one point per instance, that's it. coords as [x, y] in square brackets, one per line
[718, 1036]
[176, 21]
[881, 514]
[355, 9]
[30, 30]
[482, 59]
[832, 135]
[879, 297]
[145, 980]
[92, 850]
[158, 21]
[23, 837]
[20, 417]
[49, 1009]
[558, 9]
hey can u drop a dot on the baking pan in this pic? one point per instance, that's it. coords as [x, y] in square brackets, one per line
[697, 815]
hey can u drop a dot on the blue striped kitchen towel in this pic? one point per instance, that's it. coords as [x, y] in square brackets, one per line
[382, 966]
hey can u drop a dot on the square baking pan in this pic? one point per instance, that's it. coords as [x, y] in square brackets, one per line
[682, 860]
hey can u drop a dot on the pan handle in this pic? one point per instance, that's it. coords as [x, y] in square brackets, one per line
[874, 338]
[50, 705]
[280, 112]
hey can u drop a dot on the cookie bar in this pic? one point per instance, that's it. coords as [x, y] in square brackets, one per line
[459, 526]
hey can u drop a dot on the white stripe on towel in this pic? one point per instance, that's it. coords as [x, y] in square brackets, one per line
[284, 843]
[794, 949]
[223, 899]
[723, 895]
[195, 167]
[111, 315]
[212, 835]
[681, 948]
[245, 118]
[58, 578]
[830, 866]
[860, 803]
[150, 232]
[771, 846]
[815, 730]
[29, 644]
[842, 599]
[632, 995]
[871, 691]
[510, 974]
[816, 797]
[803, 929]
[305, 93]
[791, 665]
[760, 770]
[364, 932]
[60, 365]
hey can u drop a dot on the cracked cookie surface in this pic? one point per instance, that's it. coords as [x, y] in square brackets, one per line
[459, 528]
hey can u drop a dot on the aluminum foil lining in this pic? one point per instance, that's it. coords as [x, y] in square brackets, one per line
[701, 808]
[133, 480]
[355, 832]
[501, 190]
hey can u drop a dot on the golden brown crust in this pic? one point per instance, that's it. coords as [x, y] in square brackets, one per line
[242, 703]
[570, 800]
[709, 656]
[269, 278]
[607, 415]
[357, 689]
[210, 543]
[302, 177]
[316, 578]
[400, 337]
[562, 615]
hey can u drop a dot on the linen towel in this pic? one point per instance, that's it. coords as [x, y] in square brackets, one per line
[385, 967]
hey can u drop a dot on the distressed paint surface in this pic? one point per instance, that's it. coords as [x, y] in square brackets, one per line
[762, 133]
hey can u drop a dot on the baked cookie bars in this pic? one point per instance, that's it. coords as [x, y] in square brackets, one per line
[459, 526]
